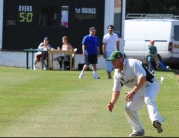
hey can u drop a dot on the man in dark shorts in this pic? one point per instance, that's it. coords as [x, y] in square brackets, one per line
[90, 47]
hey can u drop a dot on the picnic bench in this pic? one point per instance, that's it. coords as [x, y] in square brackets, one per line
[31, 50]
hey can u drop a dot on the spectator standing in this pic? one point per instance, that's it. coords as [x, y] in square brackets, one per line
[152, 56]
[90, 48]
[110, 44]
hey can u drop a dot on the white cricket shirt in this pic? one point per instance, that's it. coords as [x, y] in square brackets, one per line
[132, 70]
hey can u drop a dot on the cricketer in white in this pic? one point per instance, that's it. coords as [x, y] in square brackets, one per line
[131, 73]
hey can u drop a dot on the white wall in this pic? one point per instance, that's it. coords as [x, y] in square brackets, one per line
[108, 14]
[1, 20]
[18, 59]
[109, 19]
[122, 41]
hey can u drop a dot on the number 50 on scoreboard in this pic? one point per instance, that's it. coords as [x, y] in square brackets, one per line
[25, 17]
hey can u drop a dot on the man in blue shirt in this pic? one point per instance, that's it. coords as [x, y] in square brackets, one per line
[90, 48]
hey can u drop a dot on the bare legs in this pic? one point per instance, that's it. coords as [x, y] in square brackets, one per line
[85, 67]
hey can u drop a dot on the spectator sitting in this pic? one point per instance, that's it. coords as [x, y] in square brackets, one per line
[43, 46]
[65, 47]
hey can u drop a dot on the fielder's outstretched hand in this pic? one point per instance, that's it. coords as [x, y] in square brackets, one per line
[129, 96]
[110, 106]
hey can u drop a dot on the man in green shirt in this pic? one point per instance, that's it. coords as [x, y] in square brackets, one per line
[152, 56]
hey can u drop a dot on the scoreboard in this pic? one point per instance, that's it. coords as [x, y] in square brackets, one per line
[25, 17]
[27, 22]
[25, 14]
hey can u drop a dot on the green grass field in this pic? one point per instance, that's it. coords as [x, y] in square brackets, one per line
[58, 104]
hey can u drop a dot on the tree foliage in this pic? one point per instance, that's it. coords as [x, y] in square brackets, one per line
[153, 6]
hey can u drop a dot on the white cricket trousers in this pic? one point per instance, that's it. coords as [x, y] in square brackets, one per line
[146, 95]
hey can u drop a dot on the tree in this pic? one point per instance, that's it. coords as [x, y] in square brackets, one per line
[153, 6]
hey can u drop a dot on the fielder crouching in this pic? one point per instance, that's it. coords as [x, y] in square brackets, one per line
[144, 88]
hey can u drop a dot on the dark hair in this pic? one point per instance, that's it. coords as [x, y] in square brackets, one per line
[112, 26]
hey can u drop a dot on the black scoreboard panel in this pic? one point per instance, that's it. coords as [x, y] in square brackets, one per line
[27, 22]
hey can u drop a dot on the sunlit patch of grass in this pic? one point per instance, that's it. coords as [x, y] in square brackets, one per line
[57, 103]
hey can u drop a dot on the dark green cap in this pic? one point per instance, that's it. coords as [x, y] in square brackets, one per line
[114, 55]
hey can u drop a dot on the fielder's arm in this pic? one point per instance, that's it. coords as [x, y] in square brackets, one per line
[140, 82]
[115, 96]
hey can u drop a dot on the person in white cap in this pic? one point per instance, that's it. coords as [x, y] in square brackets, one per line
[144, 88]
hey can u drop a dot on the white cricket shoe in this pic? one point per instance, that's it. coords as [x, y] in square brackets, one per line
[81, 75]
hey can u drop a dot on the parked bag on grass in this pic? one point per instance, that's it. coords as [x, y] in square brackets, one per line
[80, 66]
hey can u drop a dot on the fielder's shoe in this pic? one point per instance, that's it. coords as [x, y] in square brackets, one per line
[158, 126]
[81, 75]
[138, 133]
[45, 68]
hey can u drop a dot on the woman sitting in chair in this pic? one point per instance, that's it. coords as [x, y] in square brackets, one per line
[65, 47]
